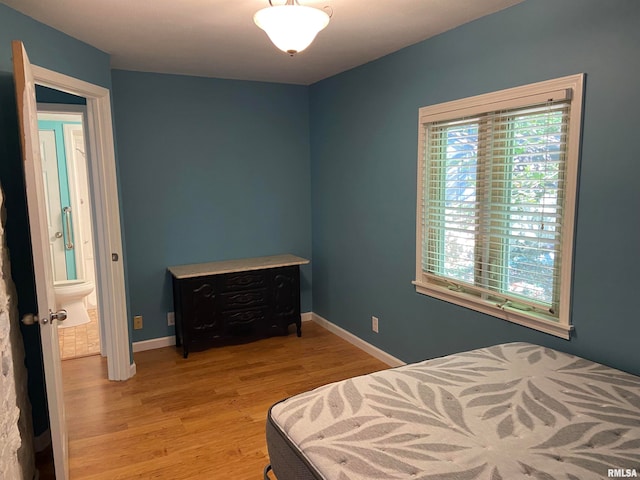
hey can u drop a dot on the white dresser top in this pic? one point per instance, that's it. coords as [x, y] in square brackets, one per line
[230, 266]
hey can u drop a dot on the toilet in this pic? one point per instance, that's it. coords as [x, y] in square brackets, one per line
[70, 295]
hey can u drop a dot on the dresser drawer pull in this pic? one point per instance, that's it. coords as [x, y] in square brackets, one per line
[245, 318]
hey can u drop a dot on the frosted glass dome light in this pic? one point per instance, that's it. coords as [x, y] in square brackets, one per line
[291, 27]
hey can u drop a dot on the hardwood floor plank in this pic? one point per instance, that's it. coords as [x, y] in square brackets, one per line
[197, 418]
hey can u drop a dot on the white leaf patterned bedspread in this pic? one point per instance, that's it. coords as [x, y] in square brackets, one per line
[505, 412]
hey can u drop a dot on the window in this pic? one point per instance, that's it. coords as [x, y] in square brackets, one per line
[497, 182]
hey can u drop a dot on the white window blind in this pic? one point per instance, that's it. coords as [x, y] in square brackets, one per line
[494, 203]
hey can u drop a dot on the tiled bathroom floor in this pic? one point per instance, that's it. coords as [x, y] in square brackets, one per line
[82, 340]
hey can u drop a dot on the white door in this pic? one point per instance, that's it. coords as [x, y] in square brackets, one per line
[36, 203]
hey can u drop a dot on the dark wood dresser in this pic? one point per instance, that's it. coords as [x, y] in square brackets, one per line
[222, 303]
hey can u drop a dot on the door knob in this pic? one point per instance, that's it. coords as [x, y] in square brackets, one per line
[58, 234]
[32, 318]
[60, 315]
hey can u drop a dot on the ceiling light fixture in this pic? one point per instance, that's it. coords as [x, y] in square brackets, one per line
[291, 26]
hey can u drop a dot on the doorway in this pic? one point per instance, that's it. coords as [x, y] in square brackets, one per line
[109, 268]
[64, 156]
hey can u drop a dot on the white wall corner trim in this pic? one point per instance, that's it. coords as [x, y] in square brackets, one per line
[358, 342]
[153, 343]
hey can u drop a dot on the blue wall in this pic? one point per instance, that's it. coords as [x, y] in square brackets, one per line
[210, 170]
[363, 171]
[52, 49]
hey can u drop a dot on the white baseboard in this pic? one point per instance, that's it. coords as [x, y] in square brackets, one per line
[154, 343]
[171, 341]
[306, 317]
[132, 369]
[358, 342]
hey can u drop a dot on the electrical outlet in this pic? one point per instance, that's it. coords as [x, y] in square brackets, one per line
[374, 324]
[137, 322]
[171, 318]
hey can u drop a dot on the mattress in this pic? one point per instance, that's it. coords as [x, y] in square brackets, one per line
[508, 411]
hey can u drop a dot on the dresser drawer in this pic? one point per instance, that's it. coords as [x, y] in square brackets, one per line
[251, 280]
[242, 300]
[245, 320]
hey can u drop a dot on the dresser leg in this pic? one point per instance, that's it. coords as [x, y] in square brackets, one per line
[299, 329]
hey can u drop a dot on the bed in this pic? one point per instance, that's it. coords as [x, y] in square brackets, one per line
[509, 411]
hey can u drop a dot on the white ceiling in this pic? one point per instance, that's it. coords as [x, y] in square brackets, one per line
[217, 38]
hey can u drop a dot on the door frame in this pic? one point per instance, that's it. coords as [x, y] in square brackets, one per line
[108, 236]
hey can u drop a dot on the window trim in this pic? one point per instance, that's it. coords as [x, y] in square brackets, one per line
[570, 88]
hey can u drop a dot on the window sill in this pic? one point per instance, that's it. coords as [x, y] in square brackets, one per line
[526, 319]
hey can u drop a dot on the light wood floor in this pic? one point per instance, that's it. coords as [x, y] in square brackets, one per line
[82, 340]
[199, 418]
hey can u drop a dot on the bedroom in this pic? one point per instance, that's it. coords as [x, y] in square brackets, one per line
[354, 168]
